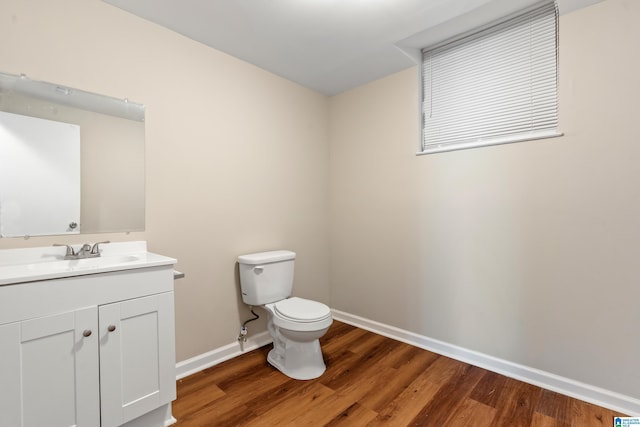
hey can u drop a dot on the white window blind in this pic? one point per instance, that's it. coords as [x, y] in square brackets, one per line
[493, 87]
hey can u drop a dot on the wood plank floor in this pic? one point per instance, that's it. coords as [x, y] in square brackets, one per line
[372, 380]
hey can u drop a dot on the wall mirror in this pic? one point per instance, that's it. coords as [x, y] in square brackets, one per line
[70, 161]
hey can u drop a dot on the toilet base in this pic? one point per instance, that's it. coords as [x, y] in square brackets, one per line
[301, 360]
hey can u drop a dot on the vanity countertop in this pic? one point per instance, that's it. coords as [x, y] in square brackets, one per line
[43, 263]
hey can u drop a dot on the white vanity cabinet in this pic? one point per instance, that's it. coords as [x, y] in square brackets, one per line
[137, 359]
[49, 371]
[91, 350]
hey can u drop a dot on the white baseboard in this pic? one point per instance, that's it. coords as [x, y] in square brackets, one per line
[588, 393]
[220, 354]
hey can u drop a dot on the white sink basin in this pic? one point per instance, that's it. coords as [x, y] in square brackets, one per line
[84, 263]
[31, 264]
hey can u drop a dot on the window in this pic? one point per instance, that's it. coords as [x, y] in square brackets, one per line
[496, 86]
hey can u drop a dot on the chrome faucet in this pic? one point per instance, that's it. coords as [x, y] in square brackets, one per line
[85, 251]
[95, 249]
[70, 254]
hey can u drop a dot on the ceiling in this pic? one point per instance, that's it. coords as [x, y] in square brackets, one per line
[327, 45]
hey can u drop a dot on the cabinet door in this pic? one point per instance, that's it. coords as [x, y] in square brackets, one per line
[49, 371]
[137, 357]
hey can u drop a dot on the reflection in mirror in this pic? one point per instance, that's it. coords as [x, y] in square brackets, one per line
[44, 157]
[110, 150]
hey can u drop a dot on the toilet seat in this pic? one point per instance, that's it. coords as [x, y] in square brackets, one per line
[301, 310]
[299, 314]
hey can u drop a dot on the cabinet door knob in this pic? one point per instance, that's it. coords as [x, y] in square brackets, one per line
[111, 328]
[86, 333]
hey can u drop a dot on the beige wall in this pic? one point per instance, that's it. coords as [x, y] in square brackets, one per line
[236, 158]
[527, 252]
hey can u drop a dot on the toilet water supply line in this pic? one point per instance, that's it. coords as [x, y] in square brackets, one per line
[243, 330]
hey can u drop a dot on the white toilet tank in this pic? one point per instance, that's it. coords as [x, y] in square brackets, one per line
[266, 277]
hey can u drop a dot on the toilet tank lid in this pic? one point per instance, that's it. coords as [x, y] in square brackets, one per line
[266, 257]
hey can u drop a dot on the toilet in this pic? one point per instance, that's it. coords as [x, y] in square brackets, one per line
[295, 324]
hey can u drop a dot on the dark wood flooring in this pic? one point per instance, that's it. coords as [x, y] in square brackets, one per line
[372, 380]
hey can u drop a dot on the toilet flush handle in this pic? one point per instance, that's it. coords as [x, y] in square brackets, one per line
[258, 269]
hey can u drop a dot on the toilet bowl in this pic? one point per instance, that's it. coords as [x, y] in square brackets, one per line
[295, 324]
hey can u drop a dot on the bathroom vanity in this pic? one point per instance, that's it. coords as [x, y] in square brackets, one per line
[86, 343]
